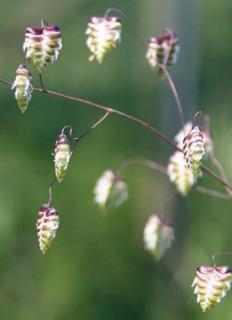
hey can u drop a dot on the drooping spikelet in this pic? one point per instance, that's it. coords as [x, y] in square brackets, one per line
[62, 156]
[158, 236]
[208, 141]
[179, 173]
[42, 45]
[110, 191]
[103, 33]
[193, 147]
[211, 285]
[22, 86]
[163, 50]
[47, 225]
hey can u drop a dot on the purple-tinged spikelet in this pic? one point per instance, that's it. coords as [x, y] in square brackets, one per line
[22, 86]
[163, 50]
[110, 191]
[194, 151]
[211, 285]
[103, 33]
[42, 45]
[158, 236]
[179, 173]
[47, 225]
[62, 156]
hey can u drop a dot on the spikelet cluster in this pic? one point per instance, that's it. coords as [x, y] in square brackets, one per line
[194, 151]
[179, 173]
[110, 191]
[211, 285]
[158, 236]
[42, 45]
[208, 142]
[22, 86]
[47, 225]
[62, 156]
[103, 34]
[163, 50]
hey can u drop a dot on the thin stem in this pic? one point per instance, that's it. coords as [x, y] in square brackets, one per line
[94, 126]
[50, 191]
[212, 193]
[42, 83]
[138, 121]
[175, 94]
[147, 163]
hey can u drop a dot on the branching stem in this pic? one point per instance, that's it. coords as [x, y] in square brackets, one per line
[134, 119]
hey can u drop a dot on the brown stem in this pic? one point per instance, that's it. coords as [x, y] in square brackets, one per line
[42, 83]
[94, 126]
[140, 122]
[175, 94]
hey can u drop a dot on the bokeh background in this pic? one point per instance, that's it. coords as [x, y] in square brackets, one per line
[97, 267]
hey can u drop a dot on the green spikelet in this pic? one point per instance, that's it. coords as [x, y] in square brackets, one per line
[42, 45]
[62, 156]
[22, 86]
[194, 151]
[179, 173]
[163, 50]
[103, 33]
[211, 285]
[47, 225]
[110, 191]
[158, 236]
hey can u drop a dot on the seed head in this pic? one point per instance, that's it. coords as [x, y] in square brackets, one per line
[163, 50]
[62, 156]
[158, 236]
[211, 285]
[47, 225]
[103, 34]
[22, 86]
[179, 173]
[194, 151]
[42, 45]
[110, 191]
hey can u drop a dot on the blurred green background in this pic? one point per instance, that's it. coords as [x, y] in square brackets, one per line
[97, 267]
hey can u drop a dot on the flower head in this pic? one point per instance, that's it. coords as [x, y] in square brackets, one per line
[62, 156]
[22, 86]
[211, 285]
[42, 45]
[179, 173]
[103, 33]
[158, 236]
[193, 148]
[163, 50]
[47, 225]
[110, 191]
